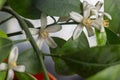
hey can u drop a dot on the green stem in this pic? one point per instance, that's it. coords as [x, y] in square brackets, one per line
[6, 20]
[31, 39]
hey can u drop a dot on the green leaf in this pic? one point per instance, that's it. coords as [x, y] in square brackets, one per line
[30, 61]
[3, 75]
[69, 47]
[26, 8]
[24, 76]
[3, 34]
[113, 8]
[111, 73]
[5, 48]
[89, 61]
[112, 38]
[101, 38]
[59, 7]
[60, 42]
[2, 3]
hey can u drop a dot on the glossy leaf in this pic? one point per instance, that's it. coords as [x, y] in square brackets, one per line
[70, 46]
[5, 48]
[24, 76]
[3, 75]
[59, 7]
[101, 38]
[89, 61]
[30, 61]
[112, 38]
[113, 8]
[111, 73]
[26, 8]
[3, 34]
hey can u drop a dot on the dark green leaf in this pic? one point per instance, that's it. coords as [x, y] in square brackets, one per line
[5, 47]
[112, 38]
[26, 8]
[69, 47]
[3, 75]
[29, 59]
[89, 61]
[3, 34]
[59, 7]
[111, 73]
[24, 76]
[113, 8]
[101, 38]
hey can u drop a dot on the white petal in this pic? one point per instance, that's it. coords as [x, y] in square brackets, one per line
[97, 23]
[107, 15]
[13, 55]
[98, 5]
[86, 13]
[40, 41]
[76, 16]
[51, 43]
[3, 66]
[77, 31]
[34, 31]
[94, 14]
[85, 4]
[43, 20]
[53, 28]
[20, 68]
[10, 75]
[90, 31]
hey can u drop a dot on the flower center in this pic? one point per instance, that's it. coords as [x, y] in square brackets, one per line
[87, 22]
[106, 23]
[13, 64]
[44, 34]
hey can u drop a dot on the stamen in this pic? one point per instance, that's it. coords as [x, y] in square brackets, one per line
[87, 22]
[14, 64]
[44, 34]
[106, 23]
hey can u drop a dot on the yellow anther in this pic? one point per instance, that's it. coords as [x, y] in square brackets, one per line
[106, 23]
[44, 34]
[87, 22]
[14, 64]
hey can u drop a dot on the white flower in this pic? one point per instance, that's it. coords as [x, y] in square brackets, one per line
[87, 21]
[43, 32]
[12, 65]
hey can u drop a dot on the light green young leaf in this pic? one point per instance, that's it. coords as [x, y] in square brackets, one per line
[111, 73]
[3, 34]
[2, 3]
[59, 7]
[30, 61]
[24, 76]
[3, 75]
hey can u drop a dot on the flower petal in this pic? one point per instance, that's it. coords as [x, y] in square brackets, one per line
[10, 75]
[13, 55]
[40, 41]
[43, 20]
[97, 23]
[107, 15]
[34, 31]
[76, 16]
[3, 66]
[90, 31]
[77, 31]
[53, 28]
[94, 14]
[98, 5]
[20, 68]
[51, 43]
